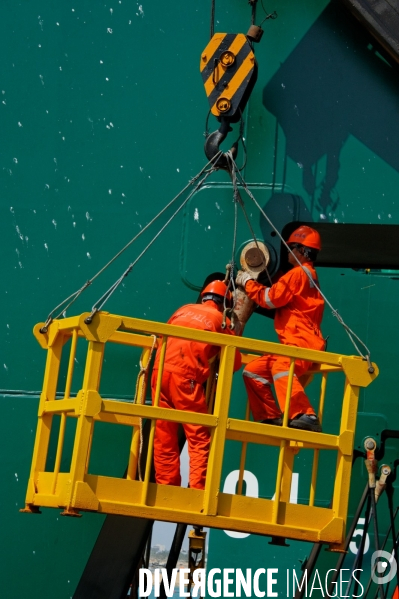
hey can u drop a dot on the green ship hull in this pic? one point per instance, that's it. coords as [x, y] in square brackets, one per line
[103, 113]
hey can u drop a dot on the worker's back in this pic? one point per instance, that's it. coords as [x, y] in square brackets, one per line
[190, 358]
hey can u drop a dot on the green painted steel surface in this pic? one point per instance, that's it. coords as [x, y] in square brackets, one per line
[102, 117]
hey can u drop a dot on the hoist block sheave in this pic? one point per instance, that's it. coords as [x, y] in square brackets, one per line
[229, 71]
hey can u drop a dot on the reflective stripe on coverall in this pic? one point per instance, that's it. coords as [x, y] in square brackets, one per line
[299, 311]
[186, 368]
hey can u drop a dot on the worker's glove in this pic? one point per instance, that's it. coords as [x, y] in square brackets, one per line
[243, 277]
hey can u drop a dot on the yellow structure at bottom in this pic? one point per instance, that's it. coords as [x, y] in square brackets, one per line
[77, 490]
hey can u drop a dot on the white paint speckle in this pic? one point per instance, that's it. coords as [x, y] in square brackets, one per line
[196, 215]
[54, 223]
[300, 164]
[88, 255]
[83, 236]
[5, 366]
[20, 124]
[15, 160]
[109, 30]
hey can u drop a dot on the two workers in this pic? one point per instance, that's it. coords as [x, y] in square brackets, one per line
[298, 309]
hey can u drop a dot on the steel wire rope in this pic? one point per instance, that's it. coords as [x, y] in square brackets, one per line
[212, 28]
[272, 15]
[351, 334]
[232, 262]
[229, 157]
[74, 296]
[105, 297]
[253, 11]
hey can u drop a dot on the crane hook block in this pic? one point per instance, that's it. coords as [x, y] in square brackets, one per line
[229, 71]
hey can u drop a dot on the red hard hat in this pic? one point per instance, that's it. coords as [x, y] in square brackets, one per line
[306, 236]
[218, 288]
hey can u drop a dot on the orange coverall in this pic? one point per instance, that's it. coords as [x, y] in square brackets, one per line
[299, 311]
[186, 368]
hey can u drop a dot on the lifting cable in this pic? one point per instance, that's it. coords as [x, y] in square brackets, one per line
[212, 28]
[105, 297]
[351, 334]
[237, 198]
[64, 305]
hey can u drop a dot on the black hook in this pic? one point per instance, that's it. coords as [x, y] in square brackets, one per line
[213, 142]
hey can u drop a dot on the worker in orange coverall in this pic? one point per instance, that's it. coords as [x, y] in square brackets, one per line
[186, 368]
[299, 311]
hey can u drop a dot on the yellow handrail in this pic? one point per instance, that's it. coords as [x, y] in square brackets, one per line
[78, 490]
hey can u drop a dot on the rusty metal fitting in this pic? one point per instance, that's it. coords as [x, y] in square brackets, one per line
[227, 277]
[370, 444]
[382, 481]
[371, 463]
[255, 33]
[254, 257]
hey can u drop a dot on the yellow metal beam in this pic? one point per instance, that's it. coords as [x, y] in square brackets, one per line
[142, 411]
[76, 490]
[235, 512]
[216, 452]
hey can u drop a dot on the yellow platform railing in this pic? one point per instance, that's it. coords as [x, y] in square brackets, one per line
[78, 490]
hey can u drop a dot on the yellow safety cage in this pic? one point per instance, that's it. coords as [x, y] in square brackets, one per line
[77, 490]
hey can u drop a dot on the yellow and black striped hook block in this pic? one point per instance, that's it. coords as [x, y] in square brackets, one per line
[229, 71]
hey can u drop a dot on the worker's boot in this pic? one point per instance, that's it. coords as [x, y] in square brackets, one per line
[274, 421]
[306, 422]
